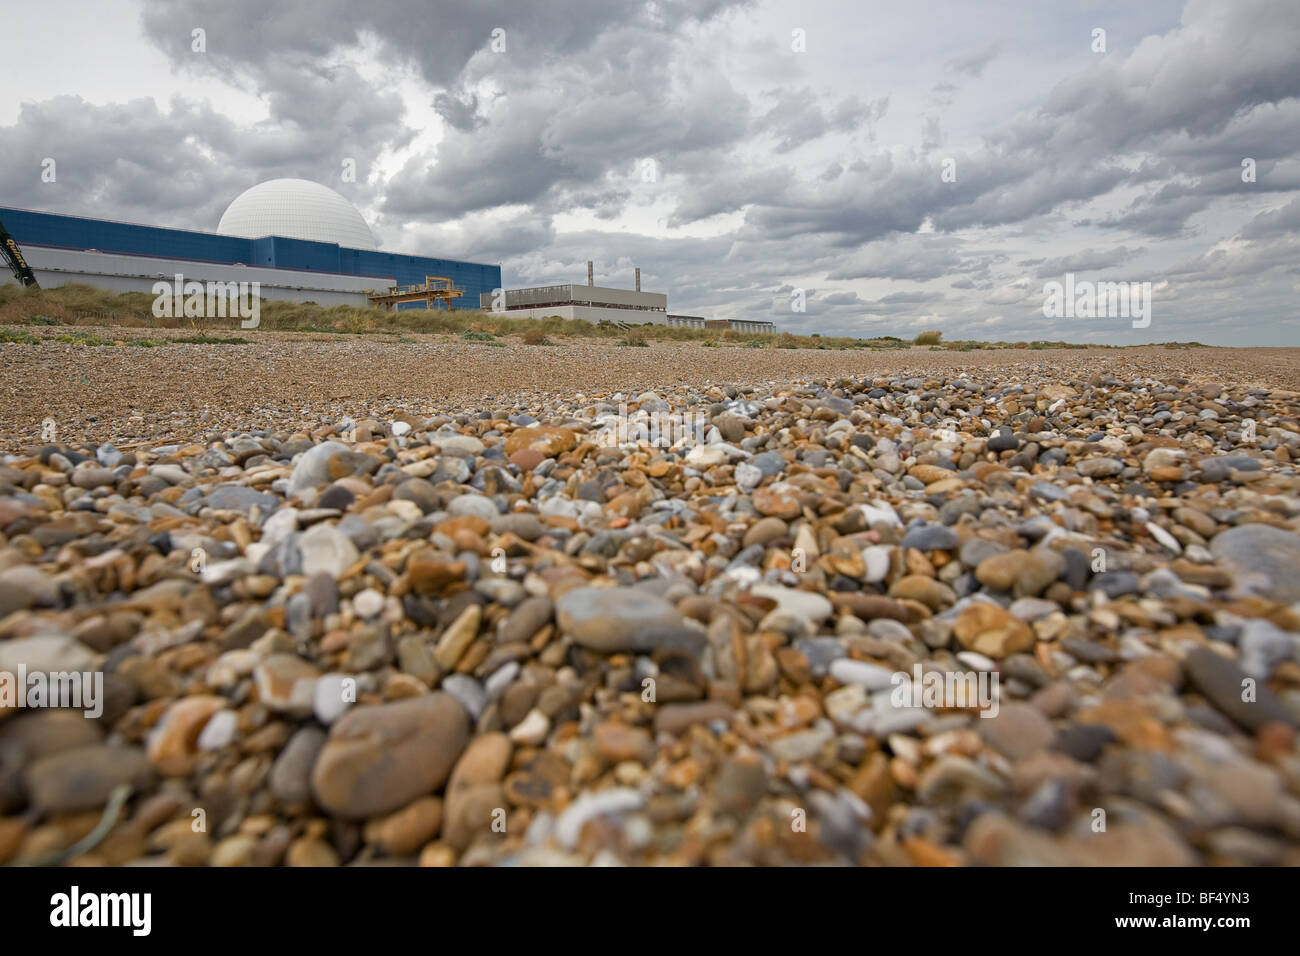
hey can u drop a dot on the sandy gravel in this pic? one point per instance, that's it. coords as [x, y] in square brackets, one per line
[125, 394]
[989, 609]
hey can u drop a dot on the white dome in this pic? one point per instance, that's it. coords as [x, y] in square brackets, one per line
[298, 209]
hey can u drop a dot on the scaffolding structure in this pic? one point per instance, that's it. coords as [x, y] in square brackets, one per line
[436, 289]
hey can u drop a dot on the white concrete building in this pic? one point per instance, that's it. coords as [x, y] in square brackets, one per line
[596, 303]
[593, 303]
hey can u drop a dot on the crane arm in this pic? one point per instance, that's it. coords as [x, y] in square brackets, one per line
[14, 257]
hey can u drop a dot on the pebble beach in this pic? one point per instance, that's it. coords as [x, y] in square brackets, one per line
[358, 602]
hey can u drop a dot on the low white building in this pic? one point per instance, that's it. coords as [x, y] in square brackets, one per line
[752, 325]
[593, 303]
[596, 303]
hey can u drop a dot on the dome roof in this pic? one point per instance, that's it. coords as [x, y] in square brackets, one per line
[298, 209]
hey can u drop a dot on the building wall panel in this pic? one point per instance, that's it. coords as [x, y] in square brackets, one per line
[34, 230]
[118, 273]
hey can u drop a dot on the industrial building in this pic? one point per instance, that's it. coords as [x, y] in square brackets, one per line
[603, 304]
[303, 242]
[300, 240]
[591, 302]
[738, 325]
[752, 325]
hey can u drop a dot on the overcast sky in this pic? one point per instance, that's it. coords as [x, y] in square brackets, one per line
[736, 151]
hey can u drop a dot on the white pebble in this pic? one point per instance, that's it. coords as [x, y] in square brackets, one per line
[1164, 538]
[532, 730]
[501, 678]
[335, 693]
[368, 603]
[219, 730]
[589, 806]
[877, 558]
[870, 676]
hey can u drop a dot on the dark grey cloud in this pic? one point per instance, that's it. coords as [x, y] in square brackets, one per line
[797, 118]
[460, 112]
[1275, 222]
[1086, 260]
[438, 37]
[841, 298]
[183, 163]
[931, 134]
[123, 159]
[482, 239]
[683, 137]
[551, 142]
[916, 257]
[1069, 150]
[973, 64]
[1239, 261]
[902, 303]
[943, 93]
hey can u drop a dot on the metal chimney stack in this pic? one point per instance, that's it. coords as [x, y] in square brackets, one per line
[591, 274]
[638, 279]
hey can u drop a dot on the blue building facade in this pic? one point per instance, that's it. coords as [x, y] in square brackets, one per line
[57, 231]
